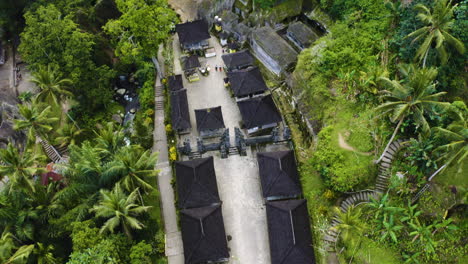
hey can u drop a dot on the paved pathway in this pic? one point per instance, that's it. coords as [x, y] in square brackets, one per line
[238, 180]
[174, 247]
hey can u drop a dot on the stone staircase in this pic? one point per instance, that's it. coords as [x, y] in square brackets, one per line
[159, 97]
[159, 91]
[381, 186]
[52, 153]
[233, 151]
[383, 177]
[194, 155]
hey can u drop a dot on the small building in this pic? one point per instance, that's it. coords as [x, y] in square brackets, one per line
[196, 183]
[301, 35]
[210, 122]
[259, 113]
[193, 35]
[289, 232]
[223, 38]
[238, 60]
[278, 175]
[203, 235]
[233, 47]
[180, 112]
[247, 82]
[190, 65]
[175, 83]
[241, 32]
[229, 19]
[272, 50]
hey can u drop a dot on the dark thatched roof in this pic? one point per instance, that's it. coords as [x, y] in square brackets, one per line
[192, 32]
[246, 82]
[196, 183]
[209, 119]
[180, 111]
[190, 62]
[259, 111]
[203, 235]
[289, 232]
[175, 82]
[237, 60]
[278, 174]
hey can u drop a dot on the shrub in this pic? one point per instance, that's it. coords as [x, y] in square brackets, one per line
[339, 172]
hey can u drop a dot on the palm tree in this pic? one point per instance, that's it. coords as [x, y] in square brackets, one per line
[133, 166]
[413, 97]
[120, 210]
[68, 134]
[456, 150]
[35, 120]
[110, 138]
[53, 88]
[437, 24]
[19, 168]
[81, 174]
[351, 225]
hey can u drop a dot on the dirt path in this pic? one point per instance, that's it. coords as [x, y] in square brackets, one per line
[344, 145]
[187, 9]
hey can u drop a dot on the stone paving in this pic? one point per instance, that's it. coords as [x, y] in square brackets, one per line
[174, 249]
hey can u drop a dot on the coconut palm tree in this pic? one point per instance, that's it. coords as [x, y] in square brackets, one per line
[52, 86]
[120, 210]
[133, 166]
[110, 138]
[19, 168]
[456, 150]
[68, 134]
[351, 225]
[34, 119]
[435, 32]
[414, 96]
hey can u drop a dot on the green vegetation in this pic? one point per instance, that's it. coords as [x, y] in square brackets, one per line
[101, 206]
[360, 82]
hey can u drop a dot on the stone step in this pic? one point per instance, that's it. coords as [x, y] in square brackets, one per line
[384, 159]
[385, 165]
[329, 238]
[50, 151]
[393, 148]
[195, 155]
[233, 151]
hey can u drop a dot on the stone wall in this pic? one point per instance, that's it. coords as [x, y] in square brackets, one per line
[210, 8]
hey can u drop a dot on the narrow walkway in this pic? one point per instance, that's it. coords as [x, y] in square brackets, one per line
[364, 196]
[344, 145]
[174, 247]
